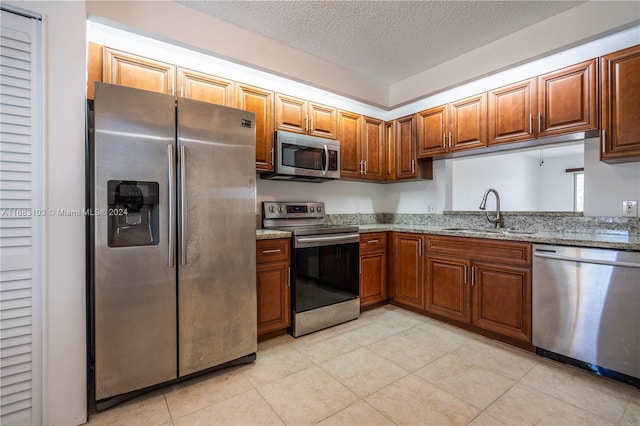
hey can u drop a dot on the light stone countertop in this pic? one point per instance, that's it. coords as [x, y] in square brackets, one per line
[270, 234]
[613, 239]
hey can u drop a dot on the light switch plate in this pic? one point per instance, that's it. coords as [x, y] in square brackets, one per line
[630, 208]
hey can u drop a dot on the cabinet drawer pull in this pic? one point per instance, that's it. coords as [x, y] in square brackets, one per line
[444, 141]
[604, 141]
[466, 275]
[373, 241]
[473, 275]
[530, 124]
[271, 251]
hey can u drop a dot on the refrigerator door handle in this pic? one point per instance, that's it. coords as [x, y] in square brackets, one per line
[183, 206]
[172, 191]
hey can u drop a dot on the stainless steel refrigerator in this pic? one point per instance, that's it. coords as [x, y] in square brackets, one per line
[172, 239]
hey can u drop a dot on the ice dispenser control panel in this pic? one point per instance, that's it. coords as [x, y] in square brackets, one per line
[134, 214]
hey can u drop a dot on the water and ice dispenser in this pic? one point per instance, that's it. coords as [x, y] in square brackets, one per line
[133, 210]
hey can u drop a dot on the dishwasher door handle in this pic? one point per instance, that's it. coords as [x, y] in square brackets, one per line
[547, 255]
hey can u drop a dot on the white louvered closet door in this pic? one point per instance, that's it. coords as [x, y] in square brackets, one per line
[21, 219]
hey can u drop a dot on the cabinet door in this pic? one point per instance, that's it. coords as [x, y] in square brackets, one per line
[350, 148]
[322, 121]
[502, 299]
[373, 277]
[511, 110]
[405, 143]
[620, 105]
[468, 123]
[432, 131]
[273, 297]
[205, 87]
[291, 114]
[448, 287]
[408, 279]
[94, 67]
[126, 69]
[260, 102]
[567, 100]
[372, 143]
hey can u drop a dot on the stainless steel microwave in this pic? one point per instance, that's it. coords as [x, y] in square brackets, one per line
[304, 158]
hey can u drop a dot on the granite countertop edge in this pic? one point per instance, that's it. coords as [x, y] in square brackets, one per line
[618, 240]
[596, 240]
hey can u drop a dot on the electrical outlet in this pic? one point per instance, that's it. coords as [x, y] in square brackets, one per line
[630, 208]
[431, 208]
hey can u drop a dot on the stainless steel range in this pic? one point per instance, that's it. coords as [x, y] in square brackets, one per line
[325, 279]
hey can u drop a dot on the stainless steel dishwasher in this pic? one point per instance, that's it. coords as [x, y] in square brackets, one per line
[586, 306]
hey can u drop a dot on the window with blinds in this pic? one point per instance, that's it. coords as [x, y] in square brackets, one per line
[20, 219]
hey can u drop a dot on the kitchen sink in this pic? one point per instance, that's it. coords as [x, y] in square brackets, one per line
[491, 230]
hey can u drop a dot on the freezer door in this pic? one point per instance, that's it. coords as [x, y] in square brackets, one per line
[217, 277]
[134, 284]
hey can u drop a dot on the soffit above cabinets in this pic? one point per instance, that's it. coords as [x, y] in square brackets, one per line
[384, 40]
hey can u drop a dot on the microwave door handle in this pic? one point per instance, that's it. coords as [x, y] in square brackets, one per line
[326, 160]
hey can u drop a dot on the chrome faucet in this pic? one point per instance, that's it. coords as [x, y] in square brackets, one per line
[497, 220]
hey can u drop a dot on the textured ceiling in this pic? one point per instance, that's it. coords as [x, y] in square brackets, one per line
[385, 40]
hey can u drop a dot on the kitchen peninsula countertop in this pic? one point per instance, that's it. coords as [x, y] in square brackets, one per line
[613, 239]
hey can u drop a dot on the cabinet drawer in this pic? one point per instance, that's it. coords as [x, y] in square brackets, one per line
[373, 241]
[502, 252]
[272, 251]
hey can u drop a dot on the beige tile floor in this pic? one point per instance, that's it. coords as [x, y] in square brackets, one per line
[388, 367]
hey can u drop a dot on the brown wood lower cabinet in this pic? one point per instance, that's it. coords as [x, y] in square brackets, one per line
[373, 269]
[501, 298]
[407, 265]
[272, 285]
[481, 284]
[448, 292]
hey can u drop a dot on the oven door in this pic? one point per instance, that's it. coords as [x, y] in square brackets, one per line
[324, 270]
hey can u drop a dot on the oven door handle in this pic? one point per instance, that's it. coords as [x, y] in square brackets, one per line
[327, 240]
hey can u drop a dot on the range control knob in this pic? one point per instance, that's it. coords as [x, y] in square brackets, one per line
[271, 209]
[279, 209]
[319, 209]
[312, 209]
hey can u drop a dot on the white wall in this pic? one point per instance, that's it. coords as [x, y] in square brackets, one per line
[64, 344]
[607, 185]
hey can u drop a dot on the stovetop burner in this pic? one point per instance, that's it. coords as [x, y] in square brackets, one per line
[300, 218]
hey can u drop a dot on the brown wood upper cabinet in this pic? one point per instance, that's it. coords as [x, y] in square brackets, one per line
[457, 126]
[126, 69]
[511, 111]
[406, 164]
[568, 100]
[205, 87]
[300, 116]
[260, 102]
[620, 106]
[349, 135]
[361, 147]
